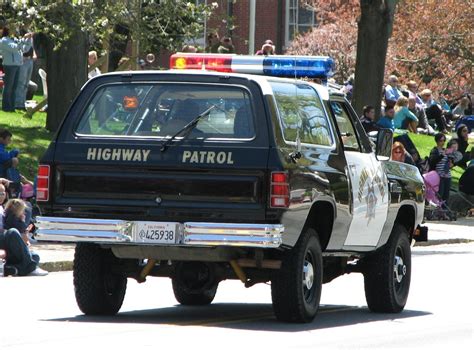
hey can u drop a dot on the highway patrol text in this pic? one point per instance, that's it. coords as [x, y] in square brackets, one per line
[207, 157]
[123, 154]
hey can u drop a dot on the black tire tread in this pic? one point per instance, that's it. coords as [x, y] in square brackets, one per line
[89, 287]
[378, 276]
[288, 305]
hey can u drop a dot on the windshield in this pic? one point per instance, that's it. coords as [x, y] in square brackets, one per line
[162, 110]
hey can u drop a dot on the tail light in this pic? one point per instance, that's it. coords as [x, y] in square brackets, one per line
[42, 183]
[279, 190]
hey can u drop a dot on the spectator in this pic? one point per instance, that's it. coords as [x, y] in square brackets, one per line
[423, 126]
[392, 92]
[367, 119]
[404, 119]
[226, 46]
[399, 154]
[386, 122]
[461, 107]
[437, 152]
[213, 43]
[19, 259]
[91, 60]
[12, 50]
[443, 168]
[433, 110]
[24, 78]
[7, 159]
[466, 181]
[267, 48]
[463, 142]
[413, 93]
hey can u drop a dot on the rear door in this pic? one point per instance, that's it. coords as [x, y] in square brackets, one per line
[111, 163]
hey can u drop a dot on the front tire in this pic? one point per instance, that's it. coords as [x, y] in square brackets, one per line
[98, 290]
[388, 274]
[296, 287]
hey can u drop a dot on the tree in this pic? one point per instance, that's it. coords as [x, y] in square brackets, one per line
[335, 36]
[69, 27]
[374, 30]
[431, 43]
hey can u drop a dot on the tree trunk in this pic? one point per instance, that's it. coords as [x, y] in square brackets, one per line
[66, 70]
[374, 30]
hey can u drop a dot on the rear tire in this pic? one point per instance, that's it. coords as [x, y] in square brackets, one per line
[388, 273]
[194, 284]
[98, 290]
[296, 287]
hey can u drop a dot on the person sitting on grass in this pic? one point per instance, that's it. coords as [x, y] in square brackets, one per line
[399, 154]
[14, 246]
[386, 122]
[404, 119]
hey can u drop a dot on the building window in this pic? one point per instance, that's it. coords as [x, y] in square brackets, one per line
[299, 19]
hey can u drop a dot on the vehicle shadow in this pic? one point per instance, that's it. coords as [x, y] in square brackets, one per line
[244, 316]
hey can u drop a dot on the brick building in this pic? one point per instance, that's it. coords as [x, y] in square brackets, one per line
[250, 22]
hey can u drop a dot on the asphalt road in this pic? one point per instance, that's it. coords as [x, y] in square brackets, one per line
[41, 313]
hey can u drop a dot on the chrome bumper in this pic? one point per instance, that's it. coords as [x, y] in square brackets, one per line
[188, 233]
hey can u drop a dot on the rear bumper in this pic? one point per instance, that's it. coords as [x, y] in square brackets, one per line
[187, 233]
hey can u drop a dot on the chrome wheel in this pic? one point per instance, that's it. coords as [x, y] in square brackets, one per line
[308, 277]
[399, 269]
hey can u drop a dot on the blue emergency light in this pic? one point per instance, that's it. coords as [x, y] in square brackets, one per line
[278, 66]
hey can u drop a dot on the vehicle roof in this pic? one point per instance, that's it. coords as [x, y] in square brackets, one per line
[261, 80]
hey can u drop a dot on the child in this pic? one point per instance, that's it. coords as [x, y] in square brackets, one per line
[7, 159]
[443, 168]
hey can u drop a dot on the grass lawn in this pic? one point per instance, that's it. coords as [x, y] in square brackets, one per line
[29, 136]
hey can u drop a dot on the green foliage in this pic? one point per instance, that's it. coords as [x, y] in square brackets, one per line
[155, 24]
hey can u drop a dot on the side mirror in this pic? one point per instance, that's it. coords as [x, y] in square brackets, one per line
[383, 146]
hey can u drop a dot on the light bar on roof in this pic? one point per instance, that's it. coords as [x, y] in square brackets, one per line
[278, 66]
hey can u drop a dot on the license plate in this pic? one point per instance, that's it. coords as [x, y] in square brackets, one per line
[156, 232]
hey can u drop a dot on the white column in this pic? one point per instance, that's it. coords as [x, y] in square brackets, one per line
[252, 6]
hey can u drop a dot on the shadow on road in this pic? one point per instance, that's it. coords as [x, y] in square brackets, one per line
[245, 316]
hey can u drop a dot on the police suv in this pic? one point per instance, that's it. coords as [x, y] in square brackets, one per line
[227, 167]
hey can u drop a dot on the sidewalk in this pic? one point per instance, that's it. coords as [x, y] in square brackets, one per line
[59, 257]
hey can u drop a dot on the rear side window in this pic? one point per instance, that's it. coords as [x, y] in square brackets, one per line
[163, 109]
[301, 113]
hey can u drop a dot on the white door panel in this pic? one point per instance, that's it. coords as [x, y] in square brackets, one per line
[370, 199]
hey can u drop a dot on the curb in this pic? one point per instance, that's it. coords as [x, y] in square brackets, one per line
[56, 266]
[443, 241]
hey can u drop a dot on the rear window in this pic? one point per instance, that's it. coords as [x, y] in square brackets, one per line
[163, 109]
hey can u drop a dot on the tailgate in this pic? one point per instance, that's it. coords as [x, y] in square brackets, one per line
[163, 187]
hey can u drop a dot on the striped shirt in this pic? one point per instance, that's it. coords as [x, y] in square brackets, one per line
[442, 168]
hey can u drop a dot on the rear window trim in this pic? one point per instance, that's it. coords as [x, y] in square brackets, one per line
[162, 138]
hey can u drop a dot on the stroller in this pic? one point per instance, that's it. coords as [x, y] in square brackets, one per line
[435, 208]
